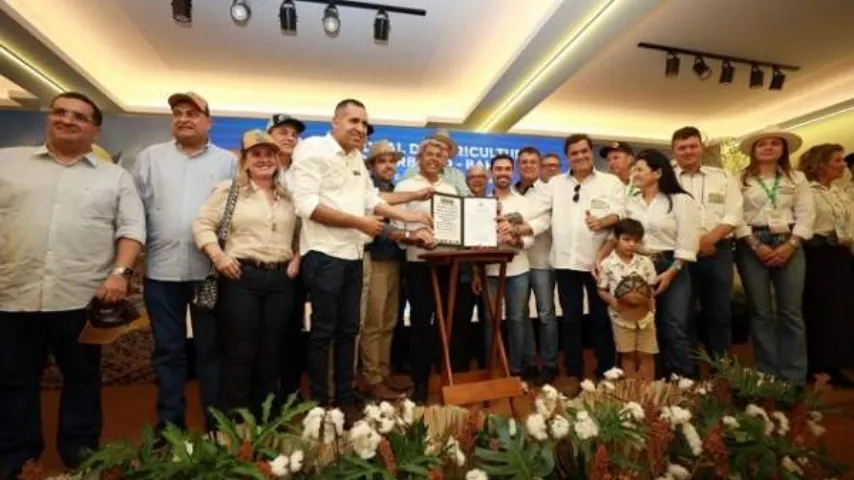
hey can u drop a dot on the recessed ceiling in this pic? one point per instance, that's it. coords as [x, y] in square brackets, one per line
[623, 90]
[467, 64]
[434, 68]
[12, 95]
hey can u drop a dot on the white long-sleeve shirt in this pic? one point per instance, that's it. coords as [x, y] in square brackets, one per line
[717, 193]
[574, 245]
[794, 204]
[667, 228]
[514, 202]
[414, 184]
[324, 174]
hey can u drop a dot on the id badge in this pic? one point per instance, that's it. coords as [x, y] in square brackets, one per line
[598, 207]
[777, 223]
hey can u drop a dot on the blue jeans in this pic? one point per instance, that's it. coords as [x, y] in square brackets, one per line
[673, 309]
[779, 340]
[543, 285]
[572, 284]
[711, 283]
[166, 303]
[523, 351]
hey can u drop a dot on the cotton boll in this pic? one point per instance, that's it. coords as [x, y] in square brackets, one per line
[536, 426]
[279, 466]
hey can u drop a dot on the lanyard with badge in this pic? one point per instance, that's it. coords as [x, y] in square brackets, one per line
[777, 222]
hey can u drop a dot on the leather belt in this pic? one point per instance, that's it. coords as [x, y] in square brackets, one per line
[251, 262]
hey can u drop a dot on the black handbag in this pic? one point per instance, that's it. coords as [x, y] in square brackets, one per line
[205, 292]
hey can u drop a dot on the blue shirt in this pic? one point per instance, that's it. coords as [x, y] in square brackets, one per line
[173, 187]
[382, 248]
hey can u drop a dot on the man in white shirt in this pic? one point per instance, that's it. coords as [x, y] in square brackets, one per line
[419, 289]
[620, 158]
[542, 277]
[332, 192]
[719, 197]
[581, 207]
[522, 349]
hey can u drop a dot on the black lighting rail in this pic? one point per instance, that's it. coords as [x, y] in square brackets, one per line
[369, 6]
[699, 53]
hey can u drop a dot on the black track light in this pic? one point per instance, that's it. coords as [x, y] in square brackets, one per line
[182, 11]
[288, 17]
[331, 22]
[240, 12]
[671, 65]
[382, 26]
[727, 72]
[701, 69]
[757, 76]
[777, 79]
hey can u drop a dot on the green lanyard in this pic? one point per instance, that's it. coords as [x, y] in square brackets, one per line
[772, 192]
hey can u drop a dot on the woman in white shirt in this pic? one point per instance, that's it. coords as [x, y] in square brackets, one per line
[828, 283]
[671, 219]
[256, 288]
[778, 216]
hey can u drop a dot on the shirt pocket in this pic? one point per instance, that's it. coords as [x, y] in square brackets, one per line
[100, 202]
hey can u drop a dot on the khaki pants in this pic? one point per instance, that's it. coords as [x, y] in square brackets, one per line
[381, 305]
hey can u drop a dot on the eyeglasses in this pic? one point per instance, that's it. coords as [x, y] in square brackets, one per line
[577, 193]
[75, 116]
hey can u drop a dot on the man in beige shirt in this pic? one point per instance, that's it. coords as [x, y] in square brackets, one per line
[71, 227]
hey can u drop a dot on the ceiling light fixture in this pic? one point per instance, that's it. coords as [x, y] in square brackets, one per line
[671, 65]
[182, 11]
[331, 21]
[777, 79]
[757, 77]
[288, 17]
[701, 69]
[382, 26]
[727, 72]
[240, 12]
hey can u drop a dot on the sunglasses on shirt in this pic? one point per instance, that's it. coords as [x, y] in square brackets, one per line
[577, 194]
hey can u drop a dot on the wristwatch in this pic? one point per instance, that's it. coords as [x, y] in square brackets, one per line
[123, 271]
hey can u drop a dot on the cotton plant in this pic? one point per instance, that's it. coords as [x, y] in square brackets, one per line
[284, 466]
[549, 420]
[326, 426]
[386, 417]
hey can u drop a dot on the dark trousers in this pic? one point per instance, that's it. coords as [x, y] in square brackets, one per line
[26, 339]
[166, 303]
[334, 289]
[711, 282]
[470, 343]
[422, 308]
[250, 320]
[292, 347]
[571, 285]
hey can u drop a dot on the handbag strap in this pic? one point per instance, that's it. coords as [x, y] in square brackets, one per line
[225, 224]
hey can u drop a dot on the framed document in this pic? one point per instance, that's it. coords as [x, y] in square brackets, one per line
[464, 221]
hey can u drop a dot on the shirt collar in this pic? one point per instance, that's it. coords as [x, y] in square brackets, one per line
[201, 152]
[518, 187]
[382, 184]
[589, 177]
[90, 157]
[678, 170]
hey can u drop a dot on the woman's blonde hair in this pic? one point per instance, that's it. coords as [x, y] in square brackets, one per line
[244, 180]
[813, 160]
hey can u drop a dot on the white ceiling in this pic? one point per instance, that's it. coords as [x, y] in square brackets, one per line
[465, 55]
[624, 90]
[435, 68]
[11, 94]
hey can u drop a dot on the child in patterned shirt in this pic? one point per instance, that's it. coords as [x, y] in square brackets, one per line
[625, 284]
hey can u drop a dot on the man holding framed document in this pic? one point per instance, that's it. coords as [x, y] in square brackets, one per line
[417, 276]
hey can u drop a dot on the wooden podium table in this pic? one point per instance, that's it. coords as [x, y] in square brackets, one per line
[474, 387]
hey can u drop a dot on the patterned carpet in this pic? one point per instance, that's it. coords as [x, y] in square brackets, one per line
[126, 362]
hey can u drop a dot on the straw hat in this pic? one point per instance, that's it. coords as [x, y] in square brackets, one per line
[442, 135]
[633, 294]
[383, 147]
[256, 137]
[793, 141]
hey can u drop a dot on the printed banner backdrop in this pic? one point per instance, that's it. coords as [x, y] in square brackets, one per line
[474, 148]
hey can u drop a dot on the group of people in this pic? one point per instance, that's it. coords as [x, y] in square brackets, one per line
[648, 249]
